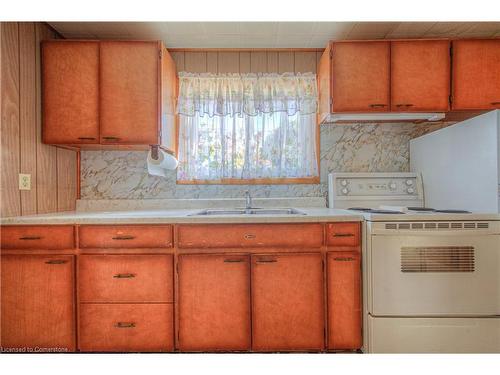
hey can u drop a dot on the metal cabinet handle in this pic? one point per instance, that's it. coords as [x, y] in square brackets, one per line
[378, 105]
[125, 325]
[124, 276]
[249, 236]
[111, 138]
[343, 234]
[266, 261]
[404, 105]
[233, 260]
[344, 259]
[123, 238]
[56, 261]
[30, 238]
[86, 138]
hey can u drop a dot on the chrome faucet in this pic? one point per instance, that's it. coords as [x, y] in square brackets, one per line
[248, 201]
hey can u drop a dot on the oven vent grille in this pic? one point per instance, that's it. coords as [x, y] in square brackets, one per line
[437, 259]
[440, 225]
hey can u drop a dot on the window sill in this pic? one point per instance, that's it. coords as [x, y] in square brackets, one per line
[253, 181]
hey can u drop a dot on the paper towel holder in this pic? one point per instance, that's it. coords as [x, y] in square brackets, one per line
[155, 149]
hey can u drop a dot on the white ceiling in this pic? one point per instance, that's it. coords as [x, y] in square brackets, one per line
[270, 34]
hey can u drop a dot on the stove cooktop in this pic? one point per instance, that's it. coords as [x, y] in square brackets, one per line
[410, 210]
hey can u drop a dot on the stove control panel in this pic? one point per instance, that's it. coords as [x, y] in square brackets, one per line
[375, 187]
[379, 186]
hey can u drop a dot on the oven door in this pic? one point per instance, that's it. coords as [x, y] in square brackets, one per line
[434, 275]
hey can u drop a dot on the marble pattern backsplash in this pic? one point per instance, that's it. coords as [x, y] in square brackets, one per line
[344, 148]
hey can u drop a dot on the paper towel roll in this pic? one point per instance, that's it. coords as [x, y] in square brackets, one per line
[164, 163]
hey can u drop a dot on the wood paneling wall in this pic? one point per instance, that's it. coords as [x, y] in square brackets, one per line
[53, 170]
[247, 61]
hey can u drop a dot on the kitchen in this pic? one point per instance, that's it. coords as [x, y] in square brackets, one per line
[250, 187]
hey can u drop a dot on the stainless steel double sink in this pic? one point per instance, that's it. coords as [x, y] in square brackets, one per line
[249, 211]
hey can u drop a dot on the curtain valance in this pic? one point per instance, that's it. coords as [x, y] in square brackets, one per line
[246, 94]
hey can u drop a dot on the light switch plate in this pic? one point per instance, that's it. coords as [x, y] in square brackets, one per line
[24, 181]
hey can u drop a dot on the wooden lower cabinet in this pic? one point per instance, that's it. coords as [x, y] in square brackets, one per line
[214, 302]
[287, 302]
[37, 302]
[344, 300]
[126, 327]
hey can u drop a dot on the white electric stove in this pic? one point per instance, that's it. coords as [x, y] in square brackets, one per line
[431, 276]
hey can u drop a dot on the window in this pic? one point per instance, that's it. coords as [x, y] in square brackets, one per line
[244, 129]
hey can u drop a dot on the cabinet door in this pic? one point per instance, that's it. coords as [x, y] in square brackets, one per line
[287, 302]
[214, 302]
[344, 300]
[70, 77]
[476, 74]
[361, 77]
[130, 92]
[37, 302]
[420, 75]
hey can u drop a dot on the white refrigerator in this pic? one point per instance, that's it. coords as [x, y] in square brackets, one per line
[460, 164]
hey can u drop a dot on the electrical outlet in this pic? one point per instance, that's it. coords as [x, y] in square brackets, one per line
[24, 181]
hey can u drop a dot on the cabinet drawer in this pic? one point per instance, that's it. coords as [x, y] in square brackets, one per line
[343, 234]
[37, 237]
[254, 235]
[126, 327]
[125, 236]
[125, 278]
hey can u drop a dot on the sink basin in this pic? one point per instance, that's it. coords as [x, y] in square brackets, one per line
[251, 211]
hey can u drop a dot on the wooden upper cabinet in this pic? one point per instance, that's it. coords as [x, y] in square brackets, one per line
[70, 77]
[37, 301]
[109, 93]
[287, 302]
[360, 76]
[214, 302]
[130, 108]
[476, 74]
[420, 75]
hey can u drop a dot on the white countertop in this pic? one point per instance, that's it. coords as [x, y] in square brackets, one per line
[174, 216]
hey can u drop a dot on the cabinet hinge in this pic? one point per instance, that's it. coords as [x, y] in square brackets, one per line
[449, 99]
[331, 53]
[159, 53]
[451, 50]
[177, 267]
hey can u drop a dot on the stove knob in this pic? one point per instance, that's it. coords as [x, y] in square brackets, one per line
[392, 186]
[345, 191]
[410, 190]
[343, 182]
[409, 182]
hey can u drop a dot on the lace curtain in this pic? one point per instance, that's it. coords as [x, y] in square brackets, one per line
[247, 126]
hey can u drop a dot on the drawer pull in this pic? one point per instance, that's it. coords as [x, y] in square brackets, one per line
[125, 325]
[233, 260]
[86, 138]
[495, 103]
[378, 105]
[30, 238]
[111, 138]
[249, 236]
[343, 234]
[266, 261]
[124, 276]
[123, 238]
[344, 259]
[404, 105]
[56, 261]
